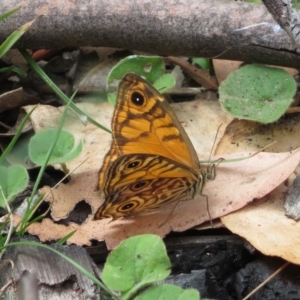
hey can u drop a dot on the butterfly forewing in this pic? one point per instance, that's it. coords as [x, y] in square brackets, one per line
[144, 122]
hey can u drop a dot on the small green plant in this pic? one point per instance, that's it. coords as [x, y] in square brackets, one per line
[57, 90]
[133, 270]
[12, 39]
[150, 67]
[13, 180]
[258, 93]
[137, 265]
[63, 151]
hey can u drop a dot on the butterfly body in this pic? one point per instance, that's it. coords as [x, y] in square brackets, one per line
[151, 161]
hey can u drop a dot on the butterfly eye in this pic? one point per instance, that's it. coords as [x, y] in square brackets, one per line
[137, 99]
[133, 164]
[139, 184]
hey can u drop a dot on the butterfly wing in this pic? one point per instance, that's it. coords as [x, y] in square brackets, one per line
[143, 122]
[131, 168]
[141, 182]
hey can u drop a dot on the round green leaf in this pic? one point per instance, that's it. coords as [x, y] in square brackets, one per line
[13, 180]
[136, 262]
[168, 291]
[150, 67]
[257, 93]
[63, 151]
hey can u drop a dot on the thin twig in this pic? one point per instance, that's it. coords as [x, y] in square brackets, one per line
[266, 281]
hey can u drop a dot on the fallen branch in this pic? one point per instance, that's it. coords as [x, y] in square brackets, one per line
[203, 28]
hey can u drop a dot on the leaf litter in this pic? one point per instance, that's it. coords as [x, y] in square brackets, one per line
[236, 183]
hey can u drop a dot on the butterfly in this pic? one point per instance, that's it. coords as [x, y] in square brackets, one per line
[151, 161]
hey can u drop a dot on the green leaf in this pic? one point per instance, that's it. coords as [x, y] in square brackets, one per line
[63, 151]
[150, 67]
[13, 180]
[164, 83]
[14, 69]
[112, 98]
[135, 263]
[9, 13]
[168, 291]
[257, 93]
[66, 237]
[13, 37]
[204, 63]
[16, 137]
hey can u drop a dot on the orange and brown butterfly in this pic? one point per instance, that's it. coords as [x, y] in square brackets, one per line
[151, 161]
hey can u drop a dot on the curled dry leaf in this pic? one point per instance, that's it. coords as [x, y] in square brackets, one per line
[266, 227]
[264, 223]
[242, 135]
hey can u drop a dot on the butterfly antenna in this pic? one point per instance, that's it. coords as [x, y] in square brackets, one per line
[214, 143]
[210, 173]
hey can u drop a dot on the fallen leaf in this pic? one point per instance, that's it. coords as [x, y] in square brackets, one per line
[223, 68]
[266, 227]
[236, 184]
[242, 135]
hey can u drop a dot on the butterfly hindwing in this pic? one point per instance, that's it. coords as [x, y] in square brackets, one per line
[139, 182]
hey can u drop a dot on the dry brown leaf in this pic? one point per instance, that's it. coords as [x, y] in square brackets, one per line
[223, 68]
[242, 135]
[16, 98]
[236, 184]
[266, 227]
[12, 131]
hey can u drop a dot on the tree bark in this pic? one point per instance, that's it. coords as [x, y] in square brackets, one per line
[39, 273]
[287, 17]
[196, 28]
